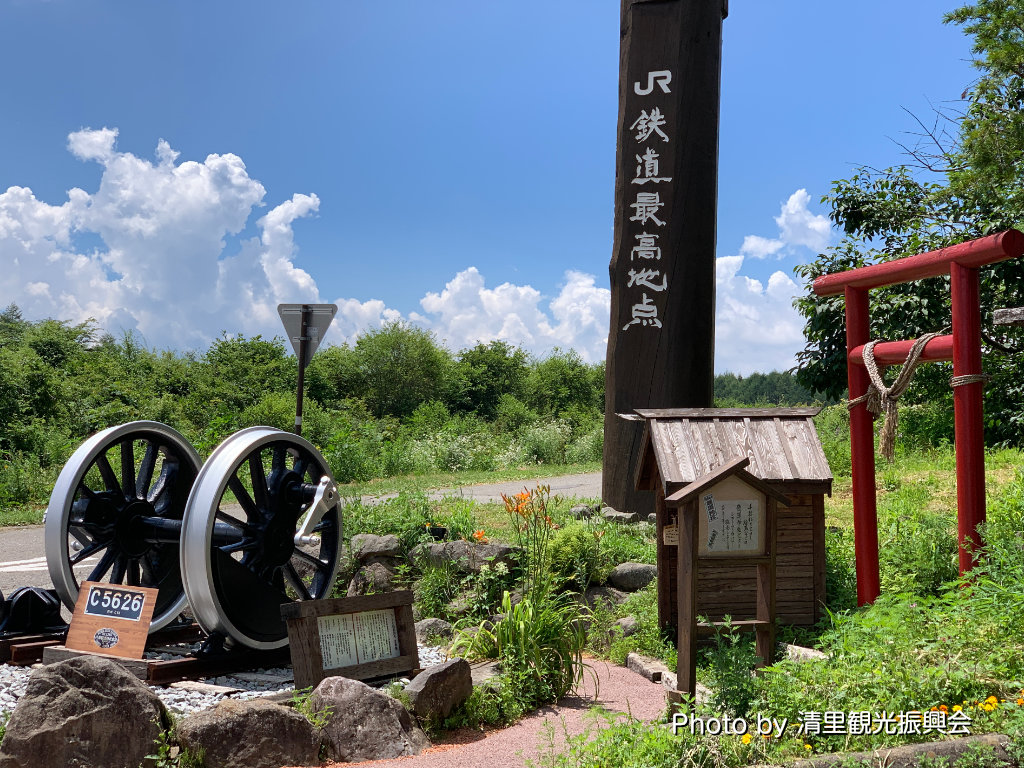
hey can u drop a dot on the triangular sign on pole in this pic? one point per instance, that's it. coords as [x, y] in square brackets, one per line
[291, 316]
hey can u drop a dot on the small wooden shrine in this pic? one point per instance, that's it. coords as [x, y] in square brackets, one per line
[725, 518]
[682, 445]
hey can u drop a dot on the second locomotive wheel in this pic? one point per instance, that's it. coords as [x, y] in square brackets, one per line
[262, 528]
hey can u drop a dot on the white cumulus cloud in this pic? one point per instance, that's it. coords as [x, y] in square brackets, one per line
[798, 226]
[756, 326]
[164, 227]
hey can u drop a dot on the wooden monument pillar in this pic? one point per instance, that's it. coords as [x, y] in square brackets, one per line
[661, 338]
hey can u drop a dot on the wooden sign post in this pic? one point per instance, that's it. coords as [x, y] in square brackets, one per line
[725, 517]
[111, 619]
[357, 637]
[661, 338]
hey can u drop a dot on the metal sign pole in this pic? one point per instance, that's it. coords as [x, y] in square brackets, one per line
[307, 317]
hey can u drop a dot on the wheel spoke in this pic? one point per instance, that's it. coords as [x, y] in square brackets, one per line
[259, 482]
[117, 573]
[316, 562]
[107, 473]
[239, 546]
[87, 492]
[128, 468]
[252, 512]
[103, 565]
[296, 581]
[133, 574]
[277, 464]
[148, 573]
[146, 468]
[224, 517]
[301, 465]
[87, 551]
[165, 482]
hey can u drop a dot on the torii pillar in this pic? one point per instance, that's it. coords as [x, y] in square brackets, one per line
[661, 337]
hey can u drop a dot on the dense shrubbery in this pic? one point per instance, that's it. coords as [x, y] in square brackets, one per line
[395, 403]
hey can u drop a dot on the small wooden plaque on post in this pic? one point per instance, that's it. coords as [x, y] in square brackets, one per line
[111, 619]
[357, 637]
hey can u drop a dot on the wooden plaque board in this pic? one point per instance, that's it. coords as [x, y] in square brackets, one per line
[733, 520]
[357, 637]
[111, 619]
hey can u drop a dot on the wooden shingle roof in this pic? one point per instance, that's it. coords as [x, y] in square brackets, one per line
[683, 444]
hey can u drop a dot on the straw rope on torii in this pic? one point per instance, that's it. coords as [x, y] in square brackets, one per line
[880, 399]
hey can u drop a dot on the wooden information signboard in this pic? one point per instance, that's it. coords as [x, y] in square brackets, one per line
[111, 619]
[357, 637]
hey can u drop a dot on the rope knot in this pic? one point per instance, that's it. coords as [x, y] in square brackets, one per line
[881, 400]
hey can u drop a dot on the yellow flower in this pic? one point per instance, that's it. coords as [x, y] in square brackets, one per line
[807, 747]
[957, 708]
[746, 738]
[1020, 702]
[988, 707]
[992, 700]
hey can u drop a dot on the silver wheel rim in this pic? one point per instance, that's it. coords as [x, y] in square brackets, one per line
[237, 599]
[167, 482]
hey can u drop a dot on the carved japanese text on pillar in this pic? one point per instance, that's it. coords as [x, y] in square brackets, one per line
[651, 144]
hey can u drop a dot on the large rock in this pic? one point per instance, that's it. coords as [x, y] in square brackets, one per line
[250, 734]
[630, 577]
[364, 724]
[374, 578]
[83, 712]
[609, 596]
[463, 555]
[437, 690]
[434, 629]
[366, 545]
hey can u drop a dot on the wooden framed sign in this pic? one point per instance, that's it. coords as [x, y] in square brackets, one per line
[732, 520]
[111, 619]
[357, 637]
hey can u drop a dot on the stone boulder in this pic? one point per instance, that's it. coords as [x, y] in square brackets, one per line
[434, 629]
[609, 596]
[363, 723]
[83, 712]
[373, 578]
[463, 555]
[582, 512]
[630, 577]
[627, 626]
[612, 516]
[366, 545]
[437, 690]
[250, 734]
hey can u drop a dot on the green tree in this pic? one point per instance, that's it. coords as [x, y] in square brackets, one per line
[965, 179]
[490, 371]
[399, 367]
[563, 380]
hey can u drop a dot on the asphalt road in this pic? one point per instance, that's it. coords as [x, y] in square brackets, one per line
[23, 560]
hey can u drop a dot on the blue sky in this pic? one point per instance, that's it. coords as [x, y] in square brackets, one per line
[180, 168]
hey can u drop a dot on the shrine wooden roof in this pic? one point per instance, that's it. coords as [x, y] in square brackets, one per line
[681, 445]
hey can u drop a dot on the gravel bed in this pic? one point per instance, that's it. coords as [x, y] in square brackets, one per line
[182, 700]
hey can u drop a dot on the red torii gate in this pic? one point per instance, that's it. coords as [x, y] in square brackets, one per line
[963, 346]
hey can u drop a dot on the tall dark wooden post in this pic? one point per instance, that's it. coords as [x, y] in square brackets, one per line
[661, 338]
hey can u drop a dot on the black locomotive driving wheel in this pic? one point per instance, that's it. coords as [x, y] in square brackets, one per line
[116, 513]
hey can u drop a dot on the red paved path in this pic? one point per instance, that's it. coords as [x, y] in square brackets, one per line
[619, 690]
